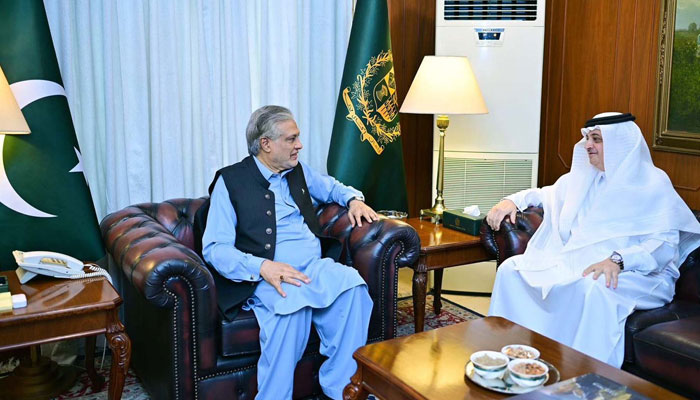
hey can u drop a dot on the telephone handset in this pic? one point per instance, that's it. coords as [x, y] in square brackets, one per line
[33, 263]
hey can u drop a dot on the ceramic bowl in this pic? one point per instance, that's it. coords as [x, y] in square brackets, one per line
[489, 371]
[516, 351]
[527, 379]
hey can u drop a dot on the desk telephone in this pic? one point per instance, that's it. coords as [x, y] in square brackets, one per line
[33, 263]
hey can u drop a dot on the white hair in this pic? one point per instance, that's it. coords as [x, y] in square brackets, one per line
[263, 123]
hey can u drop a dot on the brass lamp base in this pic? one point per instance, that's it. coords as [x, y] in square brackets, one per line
[435, 213]
[37, 377]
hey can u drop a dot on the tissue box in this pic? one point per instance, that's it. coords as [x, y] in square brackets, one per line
[459, 221]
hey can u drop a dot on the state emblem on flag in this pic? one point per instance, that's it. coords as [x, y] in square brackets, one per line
[373, 96]
[385, 97]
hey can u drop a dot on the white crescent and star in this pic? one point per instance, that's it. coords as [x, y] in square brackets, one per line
[27, 92]
[79, 166]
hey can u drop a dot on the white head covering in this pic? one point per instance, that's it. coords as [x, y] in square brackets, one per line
[637, 199]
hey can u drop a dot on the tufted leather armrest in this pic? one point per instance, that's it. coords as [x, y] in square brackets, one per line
[146, 241]
[149, 243]
[385, 232]
[377, 251]
[511, 239]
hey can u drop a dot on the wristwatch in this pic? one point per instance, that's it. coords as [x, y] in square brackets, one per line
[359, 197]
[617, 259]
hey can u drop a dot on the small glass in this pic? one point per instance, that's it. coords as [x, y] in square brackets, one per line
[392, 214]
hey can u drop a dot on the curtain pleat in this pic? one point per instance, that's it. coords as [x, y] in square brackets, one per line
[161, 91]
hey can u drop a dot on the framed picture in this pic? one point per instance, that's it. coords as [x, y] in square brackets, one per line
[677, 120]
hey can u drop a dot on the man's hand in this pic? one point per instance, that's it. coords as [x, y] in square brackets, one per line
[499, 211]
[357, 209]
[607, 267]
[277, 272]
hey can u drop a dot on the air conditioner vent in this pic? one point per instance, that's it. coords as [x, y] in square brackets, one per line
[490, 10]
[484, 182]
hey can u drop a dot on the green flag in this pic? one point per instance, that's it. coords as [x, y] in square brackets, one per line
[45, 203]
[365, 150]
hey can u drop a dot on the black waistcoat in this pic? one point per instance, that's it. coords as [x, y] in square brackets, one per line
[256, 227]
[254, 203]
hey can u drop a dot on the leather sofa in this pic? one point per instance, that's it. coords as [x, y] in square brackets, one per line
[661, 345]
[181, 347]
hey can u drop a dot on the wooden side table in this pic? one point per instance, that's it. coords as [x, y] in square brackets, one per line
[59, 309]
[439, 248]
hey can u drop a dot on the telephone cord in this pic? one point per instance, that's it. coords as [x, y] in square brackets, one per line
[97, 271]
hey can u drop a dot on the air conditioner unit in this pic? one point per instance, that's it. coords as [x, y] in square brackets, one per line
[504, 41]
[485, 178]
[492, 155]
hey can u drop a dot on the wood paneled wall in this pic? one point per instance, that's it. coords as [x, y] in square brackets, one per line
[601, 55]
[413, 37]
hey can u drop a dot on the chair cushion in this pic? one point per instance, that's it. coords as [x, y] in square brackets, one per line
[671, 351]
[242, 336]
[642, 319]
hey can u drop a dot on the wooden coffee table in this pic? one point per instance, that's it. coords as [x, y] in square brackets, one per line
[430, 365]
[59, 309]
[440, 248]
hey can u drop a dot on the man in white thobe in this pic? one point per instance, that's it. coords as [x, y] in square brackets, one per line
[614, 215]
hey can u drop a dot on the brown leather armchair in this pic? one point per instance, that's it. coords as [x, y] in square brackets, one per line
[661, 345]
[182, 348]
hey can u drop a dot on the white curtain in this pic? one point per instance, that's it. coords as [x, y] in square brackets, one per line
[161, 91]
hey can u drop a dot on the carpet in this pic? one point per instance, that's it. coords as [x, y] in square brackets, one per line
[452, 313]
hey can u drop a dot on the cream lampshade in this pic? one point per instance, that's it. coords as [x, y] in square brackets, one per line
[12, 121]
[443, 85]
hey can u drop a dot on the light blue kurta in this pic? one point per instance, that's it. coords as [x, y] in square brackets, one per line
[336, 300]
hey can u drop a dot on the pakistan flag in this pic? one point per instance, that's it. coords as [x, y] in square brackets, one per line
[45, 202]
[365, 150]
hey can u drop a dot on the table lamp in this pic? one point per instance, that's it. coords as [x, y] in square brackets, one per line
[12, 121]
[443, 85]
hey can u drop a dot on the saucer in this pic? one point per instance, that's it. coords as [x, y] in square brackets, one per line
[506, 384]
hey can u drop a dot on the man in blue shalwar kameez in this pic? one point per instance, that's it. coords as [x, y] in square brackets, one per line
[261, 229]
